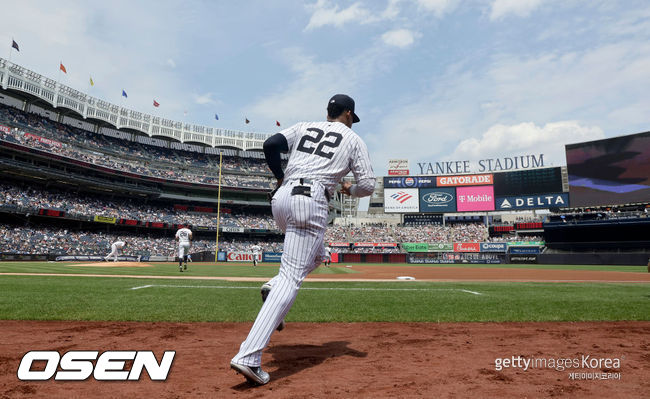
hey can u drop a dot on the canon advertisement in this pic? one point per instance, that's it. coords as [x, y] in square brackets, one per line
[242, 257]
[438, 200]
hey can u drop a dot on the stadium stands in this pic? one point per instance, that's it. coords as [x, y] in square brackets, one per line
[137, 157]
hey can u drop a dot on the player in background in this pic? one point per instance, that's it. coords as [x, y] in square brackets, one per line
[256, 252]
[320, 155]
[116, 250]
[184, 239]
[328, 256]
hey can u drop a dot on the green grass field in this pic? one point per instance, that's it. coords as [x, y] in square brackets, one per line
[152, 299]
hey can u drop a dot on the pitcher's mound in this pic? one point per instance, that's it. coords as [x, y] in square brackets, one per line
[113, 264]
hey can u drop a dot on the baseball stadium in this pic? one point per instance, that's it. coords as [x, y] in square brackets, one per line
[514, 279]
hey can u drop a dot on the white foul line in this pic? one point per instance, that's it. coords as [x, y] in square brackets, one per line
[308, 288]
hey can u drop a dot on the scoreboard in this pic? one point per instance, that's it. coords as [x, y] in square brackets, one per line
[513, 190]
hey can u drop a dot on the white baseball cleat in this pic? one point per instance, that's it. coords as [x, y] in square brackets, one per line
[254, 375]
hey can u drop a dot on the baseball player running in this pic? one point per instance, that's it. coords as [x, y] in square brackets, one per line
[184, 239]
[328, 256]
[116, 250]
[256, 252]
[320, 155]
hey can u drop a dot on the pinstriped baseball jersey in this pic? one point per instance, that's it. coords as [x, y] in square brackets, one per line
[323, 152]
[326, 151]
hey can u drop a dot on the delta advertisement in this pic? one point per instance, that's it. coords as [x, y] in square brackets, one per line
[403, 200]
[476, 198]
[559, 200]
[438, 200]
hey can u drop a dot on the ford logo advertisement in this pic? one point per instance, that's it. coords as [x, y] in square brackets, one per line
[438, 200]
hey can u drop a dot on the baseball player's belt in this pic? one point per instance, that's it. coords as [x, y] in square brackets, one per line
[305, 188]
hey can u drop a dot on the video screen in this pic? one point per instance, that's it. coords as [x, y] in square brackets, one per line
[609, 172]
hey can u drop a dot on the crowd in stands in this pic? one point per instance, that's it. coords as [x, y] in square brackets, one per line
[460, 232]
[46, 240]
[146, 160]
[34, 198]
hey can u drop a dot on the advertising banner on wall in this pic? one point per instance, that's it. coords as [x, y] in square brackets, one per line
[559, 200]
[415, 246]
[104, 219]
[374, 244]
[409, 182]
[398, 167]
[241, 257]
[438, 200]
[5, 129]
[525, 250]
[464, 180]
[441, 247]
[467, 247]
[339, 244]
[494, 247]
[228, 229]
[478, 198]
[271, 256]
[403, 200]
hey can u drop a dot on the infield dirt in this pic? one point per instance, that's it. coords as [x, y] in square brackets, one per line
[370, 360]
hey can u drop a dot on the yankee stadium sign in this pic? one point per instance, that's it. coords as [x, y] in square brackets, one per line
[482, 166]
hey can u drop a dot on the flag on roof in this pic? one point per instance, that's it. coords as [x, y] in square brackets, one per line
[124, 94]
[14, 45]
[91, 81]
[277, 123]
[247, 121]
[155, 103]
[61, 67]
[216, 116]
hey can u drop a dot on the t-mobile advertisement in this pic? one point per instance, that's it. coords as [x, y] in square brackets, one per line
[479, 198]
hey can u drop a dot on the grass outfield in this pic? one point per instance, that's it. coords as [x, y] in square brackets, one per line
[263, 270]
[83, 298]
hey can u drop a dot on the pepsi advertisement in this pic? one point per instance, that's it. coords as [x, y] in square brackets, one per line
[409, 181]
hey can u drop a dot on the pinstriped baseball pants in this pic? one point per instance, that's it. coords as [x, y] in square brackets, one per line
[303, 219]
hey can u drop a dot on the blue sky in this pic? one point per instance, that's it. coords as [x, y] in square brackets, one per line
[433, 79]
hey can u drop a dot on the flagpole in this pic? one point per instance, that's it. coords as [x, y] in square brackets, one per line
[11, 49]
[216, 252]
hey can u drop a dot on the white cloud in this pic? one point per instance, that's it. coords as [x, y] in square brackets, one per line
[327, 14]
[171, 63]
[438, 7]
[526, 138]
[520, 8]
[401, 38]
[602, 87]
[204, 99]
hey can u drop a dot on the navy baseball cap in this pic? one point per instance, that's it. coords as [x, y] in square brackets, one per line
[346, 102]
